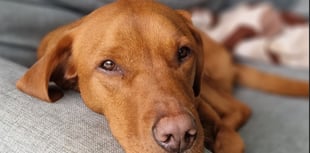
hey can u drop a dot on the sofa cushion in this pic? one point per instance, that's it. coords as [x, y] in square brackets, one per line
[27, 125]
[279, 124]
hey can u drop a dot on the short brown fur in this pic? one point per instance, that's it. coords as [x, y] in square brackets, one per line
[143, 38]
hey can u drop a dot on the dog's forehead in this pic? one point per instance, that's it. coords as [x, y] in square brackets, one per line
[133, 27]
[144, 17]
[158, 19]
[149, 29]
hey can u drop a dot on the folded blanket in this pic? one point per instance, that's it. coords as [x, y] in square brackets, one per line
[260, 32]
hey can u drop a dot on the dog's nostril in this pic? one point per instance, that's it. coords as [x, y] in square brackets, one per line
[167, 138]
[190, 135]
[175, 134]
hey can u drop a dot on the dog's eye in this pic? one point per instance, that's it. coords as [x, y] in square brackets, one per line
[183, 53]
[108, 65]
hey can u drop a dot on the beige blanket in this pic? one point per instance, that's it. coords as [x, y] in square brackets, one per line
[259, 32]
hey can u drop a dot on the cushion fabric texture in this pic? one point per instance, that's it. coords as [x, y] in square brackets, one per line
[27, 125]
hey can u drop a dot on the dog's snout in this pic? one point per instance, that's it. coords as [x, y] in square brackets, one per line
[175, 134]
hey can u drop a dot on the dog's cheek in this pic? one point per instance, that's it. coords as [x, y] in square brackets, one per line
[92, 95]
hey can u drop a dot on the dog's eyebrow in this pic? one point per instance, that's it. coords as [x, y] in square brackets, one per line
[109, 51]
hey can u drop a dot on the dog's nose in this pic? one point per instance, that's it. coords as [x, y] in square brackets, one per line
[175, 134]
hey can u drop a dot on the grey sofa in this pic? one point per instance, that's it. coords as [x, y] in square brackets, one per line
[279, 124]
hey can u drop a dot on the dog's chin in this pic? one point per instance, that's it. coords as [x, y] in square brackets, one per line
[149, 145]
[160, 150]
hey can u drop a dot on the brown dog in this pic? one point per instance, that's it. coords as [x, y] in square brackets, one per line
[162, 85]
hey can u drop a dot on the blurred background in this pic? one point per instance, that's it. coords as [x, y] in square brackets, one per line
[24, 22]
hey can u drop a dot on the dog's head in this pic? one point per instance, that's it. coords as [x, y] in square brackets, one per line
[139, 64]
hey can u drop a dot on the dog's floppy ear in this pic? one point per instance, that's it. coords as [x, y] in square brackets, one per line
[198, 73]
[199, 62]
[54, 64]
[199, 50]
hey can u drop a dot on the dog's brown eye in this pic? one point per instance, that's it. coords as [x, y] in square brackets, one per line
[108, 65]
[183, 53]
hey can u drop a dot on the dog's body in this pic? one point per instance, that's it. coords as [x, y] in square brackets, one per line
[163, 85]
